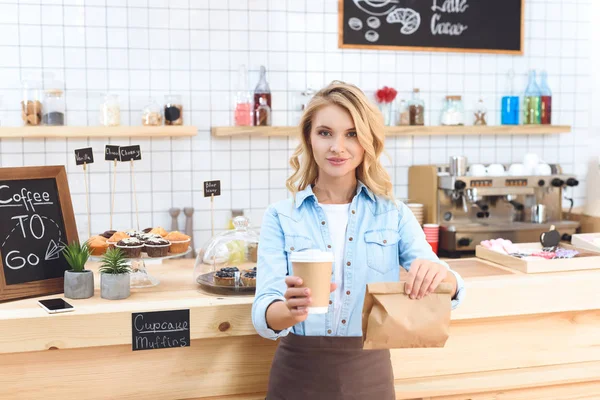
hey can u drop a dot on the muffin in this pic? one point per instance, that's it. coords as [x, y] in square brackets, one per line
[108, 234]
[97, 245]
[159, 231]
[115, 238]
[226, 276]
[144, 237]
[249, 277]
[157, 247]
[147, 230]
[131, 247]
[253, 252]
[179, 242]
[133, 233]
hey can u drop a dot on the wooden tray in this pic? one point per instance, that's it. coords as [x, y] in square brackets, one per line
[586, 259]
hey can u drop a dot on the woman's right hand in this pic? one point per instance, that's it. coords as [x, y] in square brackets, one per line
[297, 299]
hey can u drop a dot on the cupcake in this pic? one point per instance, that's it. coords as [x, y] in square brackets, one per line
[144, 237]
[131, 247]
[108, 234]
[133, 233]
[97, 245]
[112, 241]
[249, 277]
[179, 242]
[159, 231]
[157, 247]
[226, 276]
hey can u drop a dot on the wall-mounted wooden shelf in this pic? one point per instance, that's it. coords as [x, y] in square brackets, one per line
[96, 131]
[224, 131]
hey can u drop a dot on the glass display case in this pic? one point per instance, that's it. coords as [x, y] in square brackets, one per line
[227, 263]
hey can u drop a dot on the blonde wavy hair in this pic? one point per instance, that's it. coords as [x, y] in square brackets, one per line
[370, 131]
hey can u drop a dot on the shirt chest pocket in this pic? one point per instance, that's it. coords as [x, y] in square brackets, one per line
[296, 243]
[382, 249]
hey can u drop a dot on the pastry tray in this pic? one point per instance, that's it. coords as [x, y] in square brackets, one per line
[207, 282]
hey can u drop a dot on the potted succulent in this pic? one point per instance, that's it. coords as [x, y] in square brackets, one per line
[114, 275]
[79, 282]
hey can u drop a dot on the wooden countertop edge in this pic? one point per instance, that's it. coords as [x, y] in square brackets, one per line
[109, 323]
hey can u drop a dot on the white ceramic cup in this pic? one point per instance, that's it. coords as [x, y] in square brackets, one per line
[516, 170]
[495, 170]
[542, 169]
[477, 170]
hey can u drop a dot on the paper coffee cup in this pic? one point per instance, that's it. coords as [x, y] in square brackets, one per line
[315, 269]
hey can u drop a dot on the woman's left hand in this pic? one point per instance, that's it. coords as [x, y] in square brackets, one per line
[424, 276]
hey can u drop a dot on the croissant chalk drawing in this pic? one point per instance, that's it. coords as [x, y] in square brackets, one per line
[409, 18]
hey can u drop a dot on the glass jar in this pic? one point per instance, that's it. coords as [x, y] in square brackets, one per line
[227, 263]
[243, 100]
[453, 112]
[152, 114]
[480, 114]
[31, 104]
[173, 110]
[54, 108]
[404, 113]
[416, 109]
[110, 111]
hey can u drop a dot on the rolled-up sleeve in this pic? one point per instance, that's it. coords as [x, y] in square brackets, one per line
[413, 245]
[271, 272]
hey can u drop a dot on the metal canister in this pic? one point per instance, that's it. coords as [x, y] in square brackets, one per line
[458, 165]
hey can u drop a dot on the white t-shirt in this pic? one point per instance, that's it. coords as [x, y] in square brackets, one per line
[337, 216]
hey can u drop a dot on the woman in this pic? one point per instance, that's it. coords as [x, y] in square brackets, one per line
[342, 202]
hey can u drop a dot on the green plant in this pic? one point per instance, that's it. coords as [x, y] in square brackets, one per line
[76, 255]
[114, 262]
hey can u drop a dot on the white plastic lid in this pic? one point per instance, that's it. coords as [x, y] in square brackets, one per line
[312, 255]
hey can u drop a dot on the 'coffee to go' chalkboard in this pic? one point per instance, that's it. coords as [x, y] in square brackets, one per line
[36, 220]
[486, 26]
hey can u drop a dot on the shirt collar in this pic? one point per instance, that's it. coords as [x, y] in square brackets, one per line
[308, 192]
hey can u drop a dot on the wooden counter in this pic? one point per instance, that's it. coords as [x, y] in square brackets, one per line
[515, 336]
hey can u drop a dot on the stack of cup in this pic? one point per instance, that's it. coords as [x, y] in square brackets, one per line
[418, 210]
[432, 234]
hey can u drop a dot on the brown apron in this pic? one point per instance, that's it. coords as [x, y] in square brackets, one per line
[329, 368]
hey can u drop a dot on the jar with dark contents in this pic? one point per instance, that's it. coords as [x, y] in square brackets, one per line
[173, 110]
[54, 108]
[416, 109]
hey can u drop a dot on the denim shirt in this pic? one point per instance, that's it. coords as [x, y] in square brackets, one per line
[381, 236]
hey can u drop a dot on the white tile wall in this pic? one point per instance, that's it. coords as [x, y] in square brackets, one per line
[142, 48]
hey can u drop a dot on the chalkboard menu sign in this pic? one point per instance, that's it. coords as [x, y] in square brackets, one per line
[36, 220]
[160, 329]
[482, 26]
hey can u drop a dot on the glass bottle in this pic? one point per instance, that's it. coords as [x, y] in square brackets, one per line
[404, 114]
[262, 90]
[173, 110]
[54, 108]
[480, 114]
[243, 100]
[263, 113]
[510, 103]
[546, 101]
[532, 103]
[110, 111]
[416, 109]
[152, 114]
[31, 104]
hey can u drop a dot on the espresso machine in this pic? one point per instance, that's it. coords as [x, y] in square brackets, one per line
[471, 208]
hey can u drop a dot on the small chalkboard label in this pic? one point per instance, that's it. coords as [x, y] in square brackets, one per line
[160, 329]
[129, 153]
[212, 188]
[84, 156]
[112, 153]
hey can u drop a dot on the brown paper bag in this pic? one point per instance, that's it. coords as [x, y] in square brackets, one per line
[391, 320]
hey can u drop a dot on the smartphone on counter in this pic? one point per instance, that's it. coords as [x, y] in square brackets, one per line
[53, 306]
